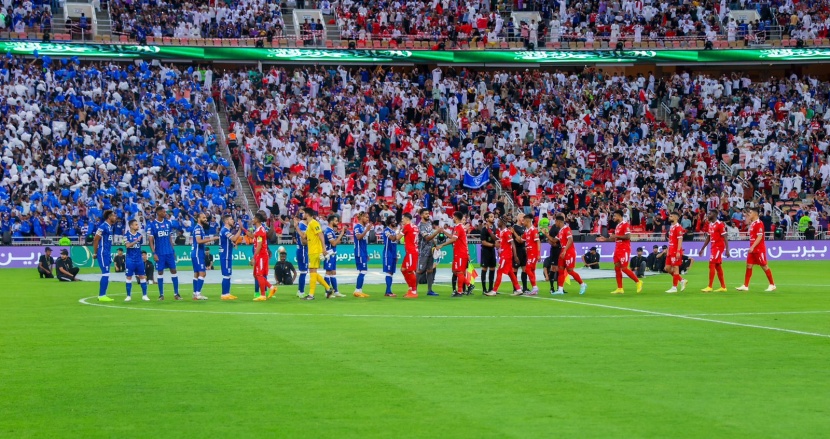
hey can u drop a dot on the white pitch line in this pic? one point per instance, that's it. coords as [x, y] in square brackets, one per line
[680, 316]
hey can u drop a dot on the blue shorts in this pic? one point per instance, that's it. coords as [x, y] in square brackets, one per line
[362, 263]
[331, 263]
[104, 263]
[227, 266]
[302, 259]
[135, 269]
[166, 262]
[198, 261]
[390, 264]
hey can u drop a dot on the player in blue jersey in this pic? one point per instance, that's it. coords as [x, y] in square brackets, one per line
[227, 243]
[135, 264]
[102, 246]
[361, 251]
[302, 251]
[197, 254]
[333, 236]
[391, 236]
[160, 237]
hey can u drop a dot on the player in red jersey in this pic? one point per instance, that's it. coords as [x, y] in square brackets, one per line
[457, 236]
[567, 257]
[622, 252]
[531, 240]
[410, 260]
[262, 256]
[716, 234]
[674, 257]
[507, 250]
[757, 250]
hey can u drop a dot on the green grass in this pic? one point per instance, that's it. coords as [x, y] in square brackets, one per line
[69, 370]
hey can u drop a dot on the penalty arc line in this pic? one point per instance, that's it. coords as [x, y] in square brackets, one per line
[687, 317]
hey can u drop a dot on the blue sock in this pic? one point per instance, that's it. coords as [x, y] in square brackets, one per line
[176, 284]
[129, 288]
[200, 284]
[388, 283]
[226, 286]
[301, 283]
[195, 285]
[360, 278]
[256, 286]
[143, 284]
[333, 283]
[161, 286]
[105, 281]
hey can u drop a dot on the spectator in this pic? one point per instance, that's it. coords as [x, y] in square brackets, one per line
[64, 241]
[810, 231]
[44, 266]
[591, 259]
[66, 271]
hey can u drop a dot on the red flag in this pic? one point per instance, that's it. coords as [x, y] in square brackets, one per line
[513, 170]
[349, 139]
[649, 116]
[587, 119]
[430, 171]
[642, 95]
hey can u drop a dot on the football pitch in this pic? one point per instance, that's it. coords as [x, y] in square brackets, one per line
[651, 365]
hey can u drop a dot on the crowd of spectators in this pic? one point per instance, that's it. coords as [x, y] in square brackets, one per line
[197, 19]
[26, 16]
[81, 139]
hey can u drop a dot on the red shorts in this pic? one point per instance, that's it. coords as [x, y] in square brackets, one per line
[506, 264]
[568, 261]
[756, 259]
[717, 255]
[410, 262]
[459, 263]
[622, 257]
[260, 266]
[673, 261]
[532, 260]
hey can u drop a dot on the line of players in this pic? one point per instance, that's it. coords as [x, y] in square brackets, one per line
[504, 251]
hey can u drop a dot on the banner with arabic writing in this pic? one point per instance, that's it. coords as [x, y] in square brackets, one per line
[385, 56]
[25, 257]
[82, 256]
[776, 250]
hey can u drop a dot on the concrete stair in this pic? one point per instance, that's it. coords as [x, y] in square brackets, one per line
[245, 194]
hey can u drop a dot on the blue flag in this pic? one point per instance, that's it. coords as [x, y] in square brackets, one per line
[476, 181]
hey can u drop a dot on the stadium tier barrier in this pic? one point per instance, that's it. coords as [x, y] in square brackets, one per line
[82, 256]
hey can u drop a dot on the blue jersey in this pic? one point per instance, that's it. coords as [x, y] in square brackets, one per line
[330, 236]
[361, 246]
[301, 227]
[197, 233]
[134, 253]
[162, 232]
[225, 244]
[390, 244]
[105, 246]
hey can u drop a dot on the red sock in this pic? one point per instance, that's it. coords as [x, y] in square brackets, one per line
[498, 280]
[532, 276]
[563, 274]
[768, 272]
[675, 279]
[618, 274]
[630, 275]
[711, 274]
[576, 276]
[413, 281]
[514, 280]
[748, 276]
[263, 284]
[462, 280]
[720, 276]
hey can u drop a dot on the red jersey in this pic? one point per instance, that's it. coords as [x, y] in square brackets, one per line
[506, 244]
[676, 233]
[756, 229]
[622, 229]
[260, 237]
[716, 232]
[410, 238]
[563, 236]
[531, 239]
[459, 246]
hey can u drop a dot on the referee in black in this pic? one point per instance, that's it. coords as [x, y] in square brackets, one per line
[551, 263]
[520, 261]
[488, 252]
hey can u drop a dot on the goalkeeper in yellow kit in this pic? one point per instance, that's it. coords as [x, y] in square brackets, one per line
[315, 239]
